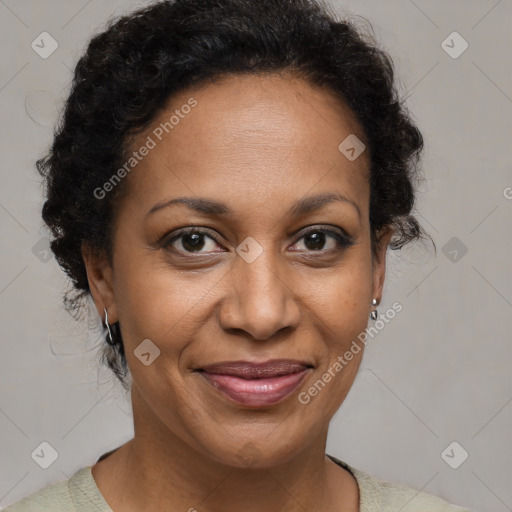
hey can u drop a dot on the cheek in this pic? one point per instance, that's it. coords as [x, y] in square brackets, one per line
[342, 301]
[342, 317]
[149, 300]
[157, 303]
[169, 307]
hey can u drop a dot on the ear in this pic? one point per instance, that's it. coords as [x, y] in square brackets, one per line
[99, 276]
[379, 261]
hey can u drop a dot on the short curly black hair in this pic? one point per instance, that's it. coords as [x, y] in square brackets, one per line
[131, 69]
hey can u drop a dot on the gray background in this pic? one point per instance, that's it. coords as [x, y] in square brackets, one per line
[438, 373]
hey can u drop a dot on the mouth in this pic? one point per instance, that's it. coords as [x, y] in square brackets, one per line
[256, 384]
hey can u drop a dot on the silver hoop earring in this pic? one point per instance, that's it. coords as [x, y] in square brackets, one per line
[374, 314]
[110, 340]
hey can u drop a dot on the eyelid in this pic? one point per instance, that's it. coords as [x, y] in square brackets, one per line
[167, 239]
[328, 228]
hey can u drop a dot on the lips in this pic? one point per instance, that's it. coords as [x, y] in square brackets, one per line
[256, 384]
[252, 370]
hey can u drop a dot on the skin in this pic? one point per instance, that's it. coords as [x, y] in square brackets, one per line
[257, 144]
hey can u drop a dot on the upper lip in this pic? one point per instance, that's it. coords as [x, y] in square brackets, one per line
[257, 370]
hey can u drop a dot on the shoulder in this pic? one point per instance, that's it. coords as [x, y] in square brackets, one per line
[377, 495]
[57, 497]
[393, 497]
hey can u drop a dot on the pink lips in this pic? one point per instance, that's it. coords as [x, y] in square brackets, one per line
[256, 384]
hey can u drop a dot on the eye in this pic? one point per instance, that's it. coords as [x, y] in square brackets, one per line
[191, 240]
[315, 240]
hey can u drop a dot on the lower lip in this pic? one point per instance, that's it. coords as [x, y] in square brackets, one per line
[256, 392]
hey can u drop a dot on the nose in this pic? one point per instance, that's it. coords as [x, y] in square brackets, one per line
[260, 300]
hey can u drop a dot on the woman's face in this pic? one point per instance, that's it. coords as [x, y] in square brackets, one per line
[254, 286]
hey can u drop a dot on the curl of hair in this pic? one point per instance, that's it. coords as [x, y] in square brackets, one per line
[131, 69]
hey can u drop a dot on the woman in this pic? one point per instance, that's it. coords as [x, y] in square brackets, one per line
[226, 181]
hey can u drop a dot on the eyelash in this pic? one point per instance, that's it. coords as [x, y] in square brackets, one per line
[343, 241]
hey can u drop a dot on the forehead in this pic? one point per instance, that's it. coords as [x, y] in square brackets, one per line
[263, 135]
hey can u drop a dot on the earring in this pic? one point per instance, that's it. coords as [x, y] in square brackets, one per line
[110, 340]
[374, 314]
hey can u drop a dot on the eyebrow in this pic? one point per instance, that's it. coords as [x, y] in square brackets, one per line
[210, 207]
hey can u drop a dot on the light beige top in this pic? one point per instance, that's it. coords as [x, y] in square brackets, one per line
[80, 494]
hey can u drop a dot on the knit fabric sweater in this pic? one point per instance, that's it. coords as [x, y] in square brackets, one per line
[80, 494]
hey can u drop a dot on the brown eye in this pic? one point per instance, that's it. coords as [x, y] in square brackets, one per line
[190, 241]
[316, 239]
